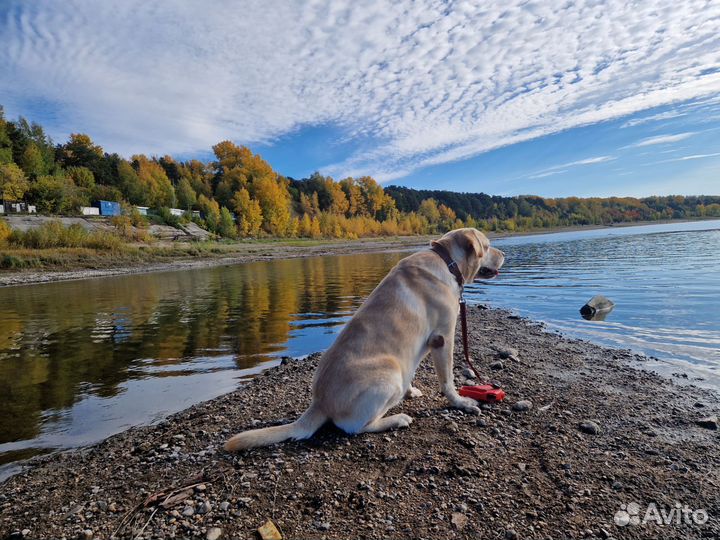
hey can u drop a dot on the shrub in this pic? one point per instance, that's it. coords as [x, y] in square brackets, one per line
[5, 231]
[54, 235]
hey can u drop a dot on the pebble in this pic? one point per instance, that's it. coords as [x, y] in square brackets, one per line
[87, 534]
[522, 406]
[224, 506]
[589, 427]
[510, 534]
[205, 507]
[214, 533]
[710, 422]
[188, 511]
[497, 364]
[200, 487]
[468, 373]
[459, 520]
[25, 532]
[322, 525]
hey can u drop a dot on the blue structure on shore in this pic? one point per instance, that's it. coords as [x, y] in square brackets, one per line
[109, 208]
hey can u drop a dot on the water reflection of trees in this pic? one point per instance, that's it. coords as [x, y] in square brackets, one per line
[60, 340]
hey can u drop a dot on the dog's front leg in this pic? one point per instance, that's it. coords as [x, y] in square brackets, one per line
[442, 355]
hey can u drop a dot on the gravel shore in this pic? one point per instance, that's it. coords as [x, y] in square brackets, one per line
[582, 437]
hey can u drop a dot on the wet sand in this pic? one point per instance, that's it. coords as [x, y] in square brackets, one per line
[598, 433]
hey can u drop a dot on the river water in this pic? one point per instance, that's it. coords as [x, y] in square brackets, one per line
[82, 360]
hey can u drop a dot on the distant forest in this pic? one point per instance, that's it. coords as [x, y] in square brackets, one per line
[239, 194]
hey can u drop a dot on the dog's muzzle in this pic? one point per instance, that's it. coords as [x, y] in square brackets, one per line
[486, 273]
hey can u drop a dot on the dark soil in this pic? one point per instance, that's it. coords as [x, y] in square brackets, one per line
[599, 434]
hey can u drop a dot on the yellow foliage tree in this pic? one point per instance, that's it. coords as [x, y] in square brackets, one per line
[248, 212]
[274, 200]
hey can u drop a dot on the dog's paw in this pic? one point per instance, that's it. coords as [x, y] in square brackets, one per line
[466, 404]
[413, 393]
[403, 420]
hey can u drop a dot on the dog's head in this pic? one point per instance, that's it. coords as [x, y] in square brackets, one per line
[471, 250]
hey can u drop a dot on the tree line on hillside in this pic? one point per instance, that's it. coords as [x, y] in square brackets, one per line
[240, 195]
[525, 212]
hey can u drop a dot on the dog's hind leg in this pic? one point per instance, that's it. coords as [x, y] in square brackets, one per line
[413, 392]
[388, 422]
[366, 412]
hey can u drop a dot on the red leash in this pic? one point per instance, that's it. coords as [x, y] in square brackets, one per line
[481, 392]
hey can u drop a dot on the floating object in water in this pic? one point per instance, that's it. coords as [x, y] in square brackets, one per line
[597, 308]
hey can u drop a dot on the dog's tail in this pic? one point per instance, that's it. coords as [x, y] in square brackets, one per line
[302, 428]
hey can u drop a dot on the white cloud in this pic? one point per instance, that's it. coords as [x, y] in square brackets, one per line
[695, 156]
[564, 167]
[662, 139]
[668, 115]
[434, 82]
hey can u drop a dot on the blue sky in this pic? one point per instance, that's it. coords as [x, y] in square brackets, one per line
[512, 97]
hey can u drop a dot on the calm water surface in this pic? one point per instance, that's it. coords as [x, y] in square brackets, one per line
[82, 360]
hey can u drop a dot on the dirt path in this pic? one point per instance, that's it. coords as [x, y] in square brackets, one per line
[504, 474]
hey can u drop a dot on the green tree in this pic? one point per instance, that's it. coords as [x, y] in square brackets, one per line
[186, 194]
[210, 211]
[227, 227]
[5, 141]
[82, 176]
[33, 162]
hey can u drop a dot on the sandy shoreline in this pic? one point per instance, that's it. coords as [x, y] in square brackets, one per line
[262, 251]
[504, 474]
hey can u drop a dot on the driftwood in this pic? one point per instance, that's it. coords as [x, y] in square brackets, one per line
[597, 308]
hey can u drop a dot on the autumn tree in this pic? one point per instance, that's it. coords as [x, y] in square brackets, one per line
[130, 185]
[274, 200]
[13, 183]
[154, 181]
[249, 213]
[354, 196]
[429, 209]
[80, 151]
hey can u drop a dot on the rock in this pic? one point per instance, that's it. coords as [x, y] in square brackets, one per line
[322, 525]
[214, 533]
[201, 487]
[507, 352]
[497, 365]
[468, 373]
[205, 507]
[268, 531]
[25, 532]
[87, 534]
[617, 486]
[589, 427]
[224, 506]
[113, 507]
[510, 534]
[188, 511]
[522, 405]
[710, 422]
[597, 308]
[459, 520]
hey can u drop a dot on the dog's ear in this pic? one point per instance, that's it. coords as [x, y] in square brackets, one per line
[470, 244]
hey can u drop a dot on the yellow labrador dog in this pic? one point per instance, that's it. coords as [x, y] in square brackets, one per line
[371, 365]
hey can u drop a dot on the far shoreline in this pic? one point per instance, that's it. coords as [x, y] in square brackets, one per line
[271, 249]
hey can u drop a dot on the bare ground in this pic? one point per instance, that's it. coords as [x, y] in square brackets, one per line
[234, 254]
[501, 475]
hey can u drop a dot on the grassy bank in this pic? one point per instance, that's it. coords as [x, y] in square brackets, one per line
[594, 433]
